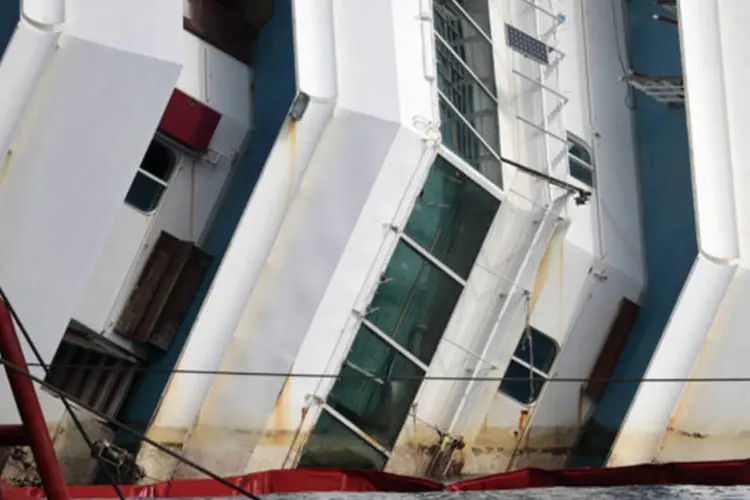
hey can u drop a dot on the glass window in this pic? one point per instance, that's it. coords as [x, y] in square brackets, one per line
[461, 34]
[376, 388]
[151, 179]
[529, 367]
[537, 350]
[471, 99]
[521, 383]
[466, 78]
[459, 138]
[412, 305]
[452, 217]
[580, 161]
[414, 302]
[332, 444]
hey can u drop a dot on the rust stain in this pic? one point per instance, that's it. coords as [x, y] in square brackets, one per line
[561, 289]
[279, 415]
[542, 275]
[523, 421]
[694, 435]
[6, 165]
[495, 450]
[703, 360]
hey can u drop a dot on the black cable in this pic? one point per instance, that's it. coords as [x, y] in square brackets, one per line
[132, 431]
[239, 373]
[65, 401]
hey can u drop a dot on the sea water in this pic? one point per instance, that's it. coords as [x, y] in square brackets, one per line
[625, 492]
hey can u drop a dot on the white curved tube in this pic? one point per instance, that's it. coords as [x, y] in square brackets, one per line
[44, 12]
[262, 219]
[23, 62]
[681, 343]
[718, 240]
[708, 125]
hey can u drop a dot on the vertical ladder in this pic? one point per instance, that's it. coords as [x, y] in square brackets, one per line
[536, 39]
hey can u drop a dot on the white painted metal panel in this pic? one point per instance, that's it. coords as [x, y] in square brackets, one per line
[76, 152]
[223, 83]
[674, 358]
[120, 250]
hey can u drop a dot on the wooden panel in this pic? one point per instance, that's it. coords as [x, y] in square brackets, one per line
[610, 353]
[178, 259]
[181, 298]
[146, 286]
[172, 275]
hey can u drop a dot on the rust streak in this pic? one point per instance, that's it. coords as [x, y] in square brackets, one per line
[279, 415]
[542, 275]
[694, 435]
[523, 421]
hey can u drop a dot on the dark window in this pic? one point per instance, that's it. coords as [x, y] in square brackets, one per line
[529, 367]
[152, 178]
[332, 444]
[452, 217]
[580, 161]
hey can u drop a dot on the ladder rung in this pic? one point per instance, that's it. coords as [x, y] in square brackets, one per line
[558, 19]
[540, 84]
[541, 129]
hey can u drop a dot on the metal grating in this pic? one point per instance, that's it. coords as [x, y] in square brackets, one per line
[91, 377]
[527, 45]
[667, 90]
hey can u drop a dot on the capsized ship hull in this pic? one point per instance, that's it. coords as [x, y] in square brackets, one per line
[308, 249]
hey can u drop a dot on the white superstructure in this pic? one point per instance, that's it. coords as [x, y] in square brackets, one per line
[373, 209]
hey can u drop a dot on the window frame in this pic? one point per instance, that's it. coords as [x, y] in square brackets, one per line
[174, 162]
[401, 237]
[576, 141]
[472, 173]
[491, 153]
[545, 377]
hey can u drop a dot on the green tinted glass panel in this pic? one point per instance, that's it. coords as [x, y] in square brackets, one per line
[379, 404]
[332, 444]
[144, 194]
[581, 171]
[452, 217]
[414, 302]
[579, 152]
